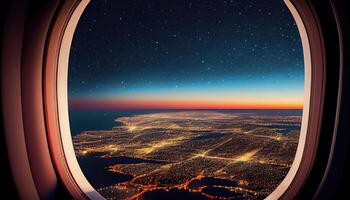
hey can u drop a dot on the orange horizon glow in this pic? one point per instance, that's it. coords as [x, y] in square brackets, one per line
[167, 104]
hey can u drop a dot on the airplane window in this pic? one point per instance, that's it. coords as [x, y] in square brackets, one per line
[186, 99]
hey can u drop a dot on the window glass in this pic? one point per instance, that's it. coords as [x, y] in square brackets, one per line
[187, 99]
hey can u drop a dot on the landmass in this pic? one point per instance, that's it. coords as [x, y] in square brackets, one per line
[194, 154]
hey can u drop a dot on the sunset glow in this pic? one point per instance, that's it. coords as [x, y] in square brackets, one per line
[150, 103]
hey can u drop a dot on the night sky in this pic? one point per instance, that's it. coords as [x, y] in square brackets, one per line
[186, 54]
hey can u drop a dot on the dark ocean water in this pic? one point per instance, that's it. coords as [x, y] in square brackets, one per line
[84, 120]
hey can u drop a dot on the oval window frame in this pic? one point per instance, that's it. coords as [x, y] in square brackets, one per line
[56, 97]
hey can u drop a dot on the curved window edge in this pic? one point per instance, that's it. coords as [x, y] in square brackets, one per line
[286, 182]
[62, 103]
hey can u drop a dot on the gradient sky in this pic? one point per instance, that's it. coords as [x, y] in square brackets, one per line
[186, 54]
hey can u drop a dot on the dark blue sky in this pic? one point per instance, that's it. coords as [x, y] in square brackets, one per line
[191, 49]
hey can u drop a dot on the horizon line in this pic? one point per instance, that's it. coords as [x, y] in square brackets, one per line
[89, 108]
[184, 104]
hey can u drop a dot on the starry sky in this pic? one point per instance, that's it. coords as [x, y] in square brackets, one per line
[186, 54]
